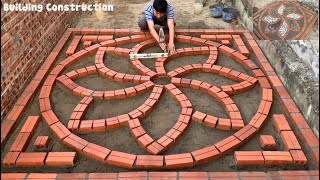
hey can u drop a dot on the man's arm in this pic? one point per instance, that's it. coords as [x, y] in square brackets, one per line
[154, 33]
[171, 47]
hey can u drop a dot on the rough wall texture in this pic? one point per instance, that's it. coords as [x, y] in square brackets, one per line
[296, 63]
[26, 40]
[298, 77]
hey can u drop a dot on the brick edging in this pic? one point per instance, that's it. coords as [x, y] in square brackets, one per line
[295, 174]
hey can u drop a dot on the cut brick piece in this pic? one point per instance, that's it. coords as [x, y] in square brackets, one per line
[267, 142]
[248, 158]
[41, 142]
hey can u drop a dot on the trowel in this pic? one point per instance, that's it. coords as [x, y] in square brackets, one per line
[152, 55]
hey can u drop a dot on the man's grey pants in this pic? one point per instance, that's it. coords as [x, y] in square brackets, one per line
[144, 25]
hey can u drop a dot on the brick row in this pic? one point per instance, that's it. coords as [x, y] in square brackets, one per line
[147, 106]
[16, 111]
[269, 158]
[240, 45]
[94, 38]
[154, 175]
[178, 96]
[284, 97]
[142, 69]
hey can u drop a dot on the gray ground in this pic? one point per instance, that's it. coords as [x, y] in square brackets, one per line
[164, 115]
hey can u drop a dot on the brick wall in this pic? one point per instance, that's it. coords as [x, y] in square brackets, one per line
[26, 40]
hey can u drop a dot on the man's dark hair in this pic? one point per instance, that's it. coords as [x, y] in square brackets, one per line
[160, 6]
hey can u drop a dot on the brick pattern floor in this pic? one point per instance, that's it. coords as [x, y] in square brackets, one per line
[208, 41]
[283, 20]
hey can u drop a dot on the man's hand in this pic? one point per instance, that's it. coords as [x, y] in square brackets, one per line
[171, 48]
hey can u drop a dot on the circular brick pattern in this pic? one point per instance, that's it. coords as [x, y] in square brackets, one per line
[144, 83]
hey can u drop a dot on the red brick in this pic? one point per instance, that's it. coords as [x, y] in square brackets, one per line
[21, 142]
[96, 152]
[290, 106]
[224, 124]
[248, 158]
[145, 140]
[299, 121]
[280, 123]
[282, 92]
[41, 142]
[298, 157]
[166, 142]
[60, 159]
[10, 158]
[264, 82]
[121, 159]
[178, 161]
[227, 144]
[257, 120]
[31, 159]
[222, 175]
[210, 121]
[267, 142]
[289, 140]
[149, 161]
[206, 154]
[75, 142]
[30, 124]
[96, 176]
[277, 157]
[245, 133]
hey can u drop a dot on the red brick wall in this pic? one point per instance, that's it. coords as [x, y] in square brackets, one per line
[26, 40]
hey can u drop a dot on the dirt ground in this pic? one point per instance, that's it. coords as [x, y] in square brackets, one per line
[166, 112]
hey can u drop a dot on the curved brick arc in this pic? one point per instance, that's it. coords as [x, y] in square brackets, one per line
[168, 161]
[235, 121]
[116, 121]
